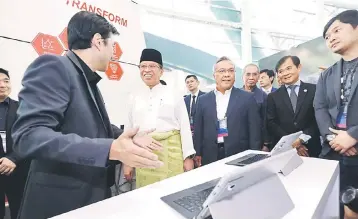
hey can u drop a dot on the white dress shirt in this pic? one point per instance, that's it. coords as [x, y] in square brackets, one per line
[268, 90]
[303, 137]
[163, 109]
[297, 89]
[222, 102]
[191, 99]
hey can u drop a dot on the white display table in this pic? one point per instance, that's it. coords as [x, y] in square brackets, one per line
[313, 188]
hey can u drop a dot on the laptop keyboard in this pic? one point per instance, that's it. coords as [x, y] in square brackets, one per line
[194, 202]
[253, 159]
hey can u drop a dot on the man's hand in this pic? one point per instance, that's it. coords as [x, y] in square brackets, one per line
[6, 166]
[342, 142]
[142, 139]
[128, 172]
[188, 164]
[197, 160]
[302, 151]
[297, 143]
[266, 149]
[351, 152]
[124, 149]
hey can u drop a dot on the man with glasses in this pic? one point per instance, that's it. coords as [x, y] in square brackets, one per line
[226, 119]
[159, 108]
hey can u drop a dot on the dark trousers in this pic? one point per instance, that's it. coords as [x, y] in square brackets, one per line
[348, 178]
[221, 151]
[12, 187]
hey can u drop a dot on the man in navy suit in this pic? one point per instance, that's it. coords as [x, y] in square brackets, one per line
[227, 120]
[266, 79]
[192, 83]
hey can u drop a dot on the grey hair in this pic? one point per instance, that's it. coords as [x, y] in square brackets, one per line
[221, 59]
[251, 64]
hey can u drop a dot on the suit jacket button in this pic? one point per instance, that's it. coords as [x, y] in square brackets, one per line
[295, 123]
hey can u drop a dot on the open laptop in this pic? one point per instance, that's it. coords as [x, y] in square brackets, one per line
[283, 145]
[194, 202]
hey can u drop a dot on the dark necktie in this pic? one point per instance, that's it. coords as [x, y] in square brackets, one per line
[192, 110]
[293, 96]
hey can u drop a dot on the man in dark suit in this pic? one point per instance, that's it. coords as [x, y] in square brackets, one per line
[227, 120]
[251, 73]
[290, 109]
[192, 83]
[64, 127]
[336, 102]
[13, 170]
[266, 79]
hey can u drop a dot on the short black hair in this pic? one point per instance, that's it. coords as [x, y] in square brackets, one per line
[83, 26]
[296, 61]
[4, 71]
[346, 17]
[270, 73]
[191, 76]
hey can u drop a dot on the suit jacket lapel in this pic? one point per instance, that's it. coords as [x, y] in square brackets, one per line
[232, 101]
[11, 115]
[73, 58]
[187, 101]
[301, 97]
[285, 98]
[337, 81]
[213, 100]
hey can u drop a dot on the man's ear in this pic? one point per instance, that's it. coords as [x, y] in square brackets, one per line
[96, 40]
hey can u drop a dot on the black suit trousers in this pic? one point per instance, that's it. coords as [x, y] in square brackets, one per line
[12, 186]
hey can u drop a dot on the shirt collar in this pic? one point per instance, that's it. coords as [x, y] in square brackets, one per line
[267, 90]
[7, 100]
[155, 89]
[298, 84]
[196, 93]
[91, 76]
[227, 92]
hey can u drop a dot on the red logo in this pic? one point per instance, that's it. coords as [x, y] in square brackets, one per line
[117, 52]
[114, 71]
[44, 44]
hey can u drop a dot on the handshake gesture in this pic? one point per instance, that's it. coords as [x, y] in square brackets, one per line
[135, 148]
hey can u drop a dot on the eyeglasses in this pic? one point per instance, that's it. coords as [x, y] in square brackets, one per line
[151, 67]
[222, 71]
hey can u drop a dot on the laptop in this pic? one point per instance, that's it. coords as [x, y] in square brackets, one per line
[194, 202]
[283, 145]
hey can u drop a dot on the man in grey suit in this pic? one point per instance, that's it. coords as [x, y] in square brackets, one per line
[227, 120]
[336, 101]
[64, 127]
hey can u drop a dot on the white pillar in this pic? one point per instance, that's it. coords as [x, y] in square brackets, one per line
[246, 45]
[320, 18]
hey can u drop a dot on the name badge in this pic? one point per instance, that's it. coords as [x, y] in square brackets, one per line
[222, 130]
[192, 125]
[3, 138]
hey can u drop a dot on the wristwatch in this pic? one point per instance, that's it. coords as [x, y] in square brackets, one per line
[302, 141]
[330, 137]
[191, 156]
